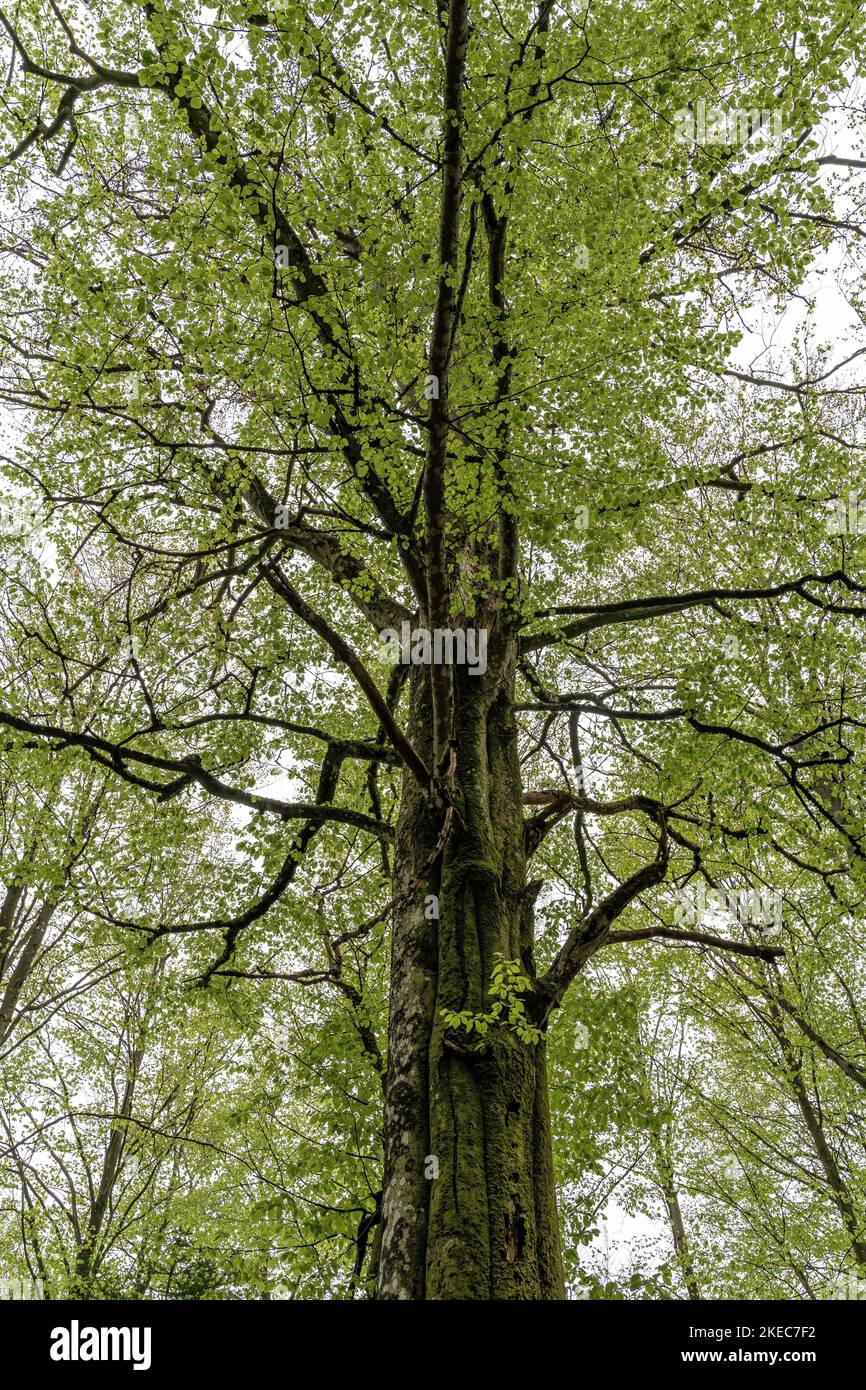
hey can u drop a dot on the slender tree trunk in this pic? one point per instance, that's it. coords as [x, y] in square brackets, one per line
[23, 965]
[662, 1151]
[681, 1244]
[88, 1255]
[840, 1193]
[839, 1190]
[469, 1204]
[8, 913]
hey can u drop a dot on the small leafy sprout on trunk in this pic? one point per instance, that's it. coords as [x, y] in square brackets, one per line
[507, 1011]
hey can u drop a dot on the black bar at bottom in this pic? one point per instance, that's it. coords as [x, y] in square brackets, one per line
[87, 1341]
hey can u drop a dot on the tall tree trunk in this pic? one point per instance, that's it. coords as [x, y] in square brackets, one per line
[469, 1204]
[662, 1146]
[681, 1244]
[8, 913]
[23, 965]
[88, 1255]
[840, 1193]
[90, 1250]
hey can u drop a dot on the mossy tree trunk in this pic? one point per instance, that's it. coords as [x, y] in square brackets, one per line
[485, 1226]
[469, 1205]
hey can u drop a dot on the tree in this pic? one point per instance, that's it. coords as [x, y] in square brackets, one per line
[374, 373]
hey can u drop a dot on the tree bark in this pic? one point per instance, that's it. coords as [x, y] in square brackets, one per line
[662, 1146]
[23, 965]
[840, 1193]
[469, 1202]
[681, 1244]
